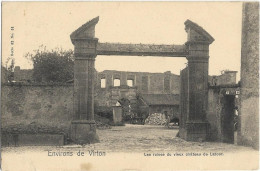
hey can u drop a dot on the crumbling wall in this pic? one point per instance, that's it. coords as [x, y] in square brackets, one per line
[249, 112]
[117, 93]
[145, 82]
[41, 103]
[226, 78]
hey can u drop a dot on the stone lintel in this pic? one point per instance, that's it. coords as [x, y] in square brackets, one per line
[141, 50]
[193, 42]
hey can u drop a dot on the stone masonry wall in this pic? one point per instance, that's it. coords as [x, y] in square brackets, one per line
[143, 82]
[214, 114]
[216, 107]
[249, 111]
[41, 103]
[45, 102]
[146, 83]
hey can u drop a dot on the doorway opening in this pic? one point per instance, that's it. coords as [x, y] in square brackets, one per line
[229, 120]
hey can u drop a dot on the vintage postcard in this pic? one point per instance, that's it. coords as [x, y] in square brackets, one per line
[129, 86]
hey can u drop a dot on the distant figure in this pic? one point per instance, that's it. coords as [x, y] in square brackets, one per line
[236, 118]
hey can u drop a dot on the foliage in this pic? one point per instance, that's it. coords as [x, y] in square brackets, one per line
[52, 66]
[103, 111]
[9, 66]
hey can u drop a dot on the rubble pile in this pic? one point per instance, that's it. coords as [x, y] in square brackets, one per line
[156, 119]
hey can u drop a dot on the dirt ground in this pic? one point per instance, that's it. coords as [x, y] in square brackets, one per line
[128, 147]
[136, 138]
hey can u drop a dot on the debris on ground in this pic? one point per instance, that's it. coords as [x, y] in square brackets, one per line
[156, 119]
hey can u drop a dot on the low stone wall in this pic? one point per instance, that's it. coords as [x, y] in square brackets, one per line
[49, 106]
[41, 108]
[36, 114]
[32, 139]
[42, 103]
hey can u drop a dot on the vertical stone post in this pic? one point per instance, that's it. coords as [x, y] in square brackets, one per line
[83, 128]
[248, 128]
[196, 126]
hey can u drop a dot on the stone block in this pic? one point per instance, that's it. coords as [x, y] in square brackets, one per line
[32, 140]
[117, 114]
[197, 131]
[84, 132]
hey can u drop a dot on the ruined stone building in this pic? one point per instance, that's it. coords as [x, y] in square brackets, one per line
[148, 91]
[208, 107]
[203, 104]
[145, 92]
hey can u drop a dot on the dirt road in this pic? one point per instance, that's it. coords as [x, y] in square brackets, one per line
[136, 147]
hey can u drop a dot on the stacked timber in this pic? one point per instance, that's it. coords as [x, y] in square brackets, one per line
[156, 119]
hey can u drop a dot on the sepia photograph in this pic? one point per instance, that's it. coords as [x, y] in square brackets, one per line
[129, 86]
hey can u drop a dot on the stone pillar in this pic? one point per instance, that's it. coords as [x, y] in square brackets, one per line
[248, 128]
[196, 125]
[83, 128]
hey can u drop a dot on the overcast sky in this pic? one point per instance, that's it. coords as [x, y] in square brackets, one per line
[51, 24]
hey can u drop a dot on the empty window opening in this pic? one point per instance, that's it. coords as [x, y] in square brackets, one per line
[130, 83]
[103, 83]
[116, 82]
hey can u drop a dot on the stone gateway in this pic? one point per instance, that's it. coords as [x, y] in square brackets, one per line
[196, 50]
